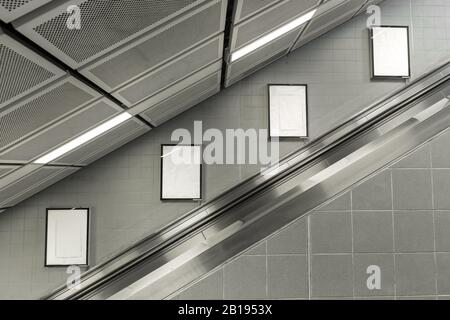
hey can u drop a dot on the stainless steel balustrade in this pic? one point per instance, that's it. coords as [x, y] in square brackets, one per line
[206, 237]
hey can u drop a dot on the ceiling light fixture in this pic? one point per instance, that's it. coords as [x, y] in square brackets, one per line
[84, 138]
[272, 35]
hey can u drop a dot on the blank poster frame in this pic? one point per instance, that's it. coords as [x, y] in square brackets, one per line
[372, 58]
[88, 217]
[305, 110]
[200, 175]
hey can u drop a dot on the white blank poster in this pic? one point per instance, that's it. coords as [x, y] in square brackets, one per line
[288, 111]
[181, 172]
[390, 51]
[67, 237]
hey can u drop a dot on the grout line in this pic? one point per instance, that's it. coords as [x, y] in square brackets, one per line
[434, 222]
[308, 253]
[353, 246]
[393, 235]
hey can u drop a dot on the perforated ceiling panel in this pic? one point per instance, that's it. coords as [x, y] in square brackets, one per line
[324, 21]
[247, 8]
[104, 25]
[174, 90]
[63, 131]
[248, 64]
[105, 143]
[268, 20]
[37, 180]
[183, 100]
[22, 70]
[170, 73]
[144, 55]
[13, 9]
[39, 110]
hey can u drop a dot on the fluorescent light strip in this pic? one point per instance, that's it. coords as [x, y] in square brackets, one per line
[272, 36]
[84, 138]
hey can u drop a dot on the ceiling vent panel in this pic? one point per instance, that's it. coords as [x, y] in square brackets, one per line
[105, 25]
[112, 137]
[172, 72]
[176, 88]
[183, 100]
[327, 20]
[246, 8]
[39, 110]
[157, 48]
[5, 169]
[13, 9]
[269, 20]
[22, 70]
[34, 182]
[121, 140]
[239, 67]
[255, 67]
[61, 132]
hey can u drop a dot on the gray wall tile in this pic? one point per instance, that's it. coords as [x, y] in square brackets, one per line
[442, 225]
[245, 278]
[414, 231]
[415, 274]
[331, 276]
[258, 250]
[412, 189]
[419, 158]
[441, 188]
[443, 273]
[287, 276]
[373, 194]
[373, 231]
[291, 240]
[331, 232]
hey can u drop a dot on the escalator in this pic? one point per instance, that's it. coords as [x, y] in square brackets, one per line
[206, 237]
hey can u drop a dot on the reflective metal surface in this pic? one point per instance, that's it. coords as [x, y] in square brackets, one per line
[208, 236]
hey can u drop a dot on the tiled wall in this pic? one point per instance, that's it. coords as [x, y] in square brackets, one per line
[398, 220]
[122, 189]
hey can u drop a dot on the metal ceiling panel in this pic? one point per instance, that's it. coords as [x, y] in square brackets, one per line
[268, 20]
[41, 109]
[5, 169]
[103, 143]
[173, 90]
[13, 9]
[246, 8]
[37, 180]
[22, 70]
[172, 72]
[183, 100]
[246, 65]
[146, 54]
[338, 13]
[61, 132]
[105, 25]
[256, 67]
[122, 139]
